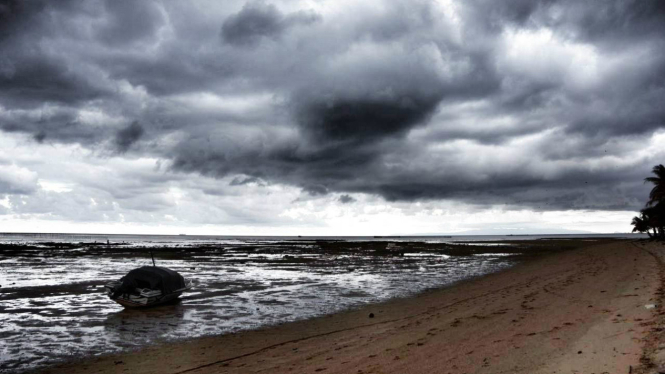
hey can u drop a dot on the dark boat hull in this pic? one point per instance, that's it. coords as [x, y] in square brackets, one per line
[147, 302]
[145, 299]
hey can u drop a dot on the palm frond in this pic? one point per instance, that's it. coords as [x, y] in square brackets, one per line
[657, 193]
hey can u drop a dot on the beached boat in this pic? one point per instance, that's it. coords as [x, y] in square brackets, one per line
[147, 286]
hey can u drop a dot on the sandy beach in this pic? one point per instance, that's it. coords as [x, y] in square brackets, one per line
[579, 311]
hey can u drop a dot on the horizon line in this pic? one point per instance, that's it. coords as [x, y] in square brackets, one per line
[316, 236]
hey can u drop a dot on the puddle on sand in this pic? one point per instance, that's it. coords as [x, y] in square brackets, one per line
[53, 307]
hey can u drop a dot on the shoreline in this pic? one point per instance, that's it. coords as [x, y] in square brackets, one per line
[534, 317]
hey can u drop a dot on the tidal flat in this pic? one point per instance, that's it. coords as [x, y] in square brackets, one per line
[53, 307]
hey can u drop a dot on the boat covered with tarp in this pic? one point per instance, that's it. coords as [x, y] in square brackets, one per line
[147, 286]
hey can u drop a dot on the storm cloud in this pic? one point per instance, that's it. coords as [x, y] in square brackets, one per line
[259, 20]
[128, 136]
[545, 105]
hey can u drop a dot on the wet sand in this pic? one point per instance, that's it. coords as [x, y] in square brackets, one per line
[578, 311]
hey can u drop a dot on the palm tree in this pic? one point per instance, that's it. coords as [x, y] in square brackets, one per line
[640, 224]
[658, 218]
[652, 219]
[657, 193]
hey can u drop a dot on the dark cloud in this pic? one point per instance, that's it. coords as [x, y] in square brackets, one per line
[33, 82]
[34, 70]
[39, 137]
[241, 181]
[611, 24]
[129, 135]
[128, 22]
[362, 121]
[15, 14]
[541, 104]
[569, 192]
[257, 20]
[49, 124]
[252, 23]
[346, 199]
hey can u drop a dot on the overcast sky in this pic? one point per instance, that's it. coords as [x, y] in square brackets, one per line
[329, 117]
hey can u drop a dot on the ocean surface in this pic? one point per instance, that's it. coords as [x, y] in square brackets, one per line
[182, 238]
[53, 307]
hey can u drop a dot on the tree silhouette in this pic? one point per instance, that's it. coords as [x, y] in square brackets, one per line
[657, 193]
[652, 217]
[640, 224]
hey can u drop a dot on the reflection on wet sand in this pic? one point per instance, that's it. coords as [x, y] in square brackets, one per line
[53, 307]
[132, 327]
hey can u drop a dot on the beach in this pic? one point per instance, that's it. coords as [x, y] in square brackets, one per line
[585, 310]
